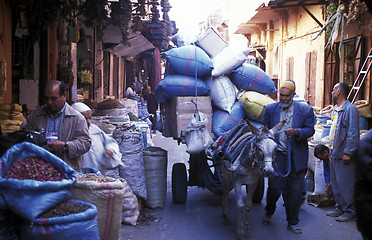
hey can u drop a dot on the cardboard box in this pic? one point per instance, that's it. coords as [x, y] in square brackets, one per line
[176, 114]
[182, 110]
[181, 105]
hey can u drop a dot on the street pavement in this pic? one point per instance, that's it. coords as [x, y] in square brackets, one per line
[200, 217]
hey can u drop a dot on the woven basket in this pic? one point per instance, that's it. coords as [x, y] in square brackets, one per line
[364, 108]
[326, 111]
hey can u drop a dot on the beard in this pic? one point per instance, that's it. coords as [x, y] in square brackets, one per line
[286, 104]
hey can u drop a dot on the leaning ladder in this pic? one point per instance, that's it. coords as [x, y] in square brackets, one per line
[360, 78]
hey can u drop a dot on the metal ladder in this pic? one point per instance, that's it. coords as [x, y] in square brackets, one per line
[360, 78]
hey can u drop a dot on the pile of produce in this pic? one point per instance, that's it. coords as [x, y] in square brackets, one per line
[34, 168]
[95, 177]
[64, 209]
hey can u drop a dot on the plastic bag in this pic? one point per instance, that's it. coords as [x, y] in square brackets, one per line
[196, 135]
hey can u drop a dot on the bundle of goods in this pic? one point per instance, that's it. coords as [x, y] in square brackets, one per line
[70, 219]
[180, 85]
[33, 180]
[224, 121]
[225, 70]
[254, 104]
[108, 104]
[11, 117]
[155, 162]
[107, 194]
[132, 169]
[35, 187]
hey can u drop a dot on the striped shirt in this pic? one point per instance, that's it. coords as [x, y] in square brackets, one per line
[54, 122]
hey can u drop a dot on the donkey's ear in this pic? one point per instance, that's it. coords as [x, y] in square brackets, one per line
[255, 130]
[278, 126]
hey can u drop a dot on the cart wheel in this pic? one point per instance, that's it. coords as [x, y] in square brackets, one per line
[259, 192]
[179, 183]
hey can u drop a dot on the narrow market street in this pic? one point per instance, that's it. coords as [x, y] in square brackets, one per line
[200, 218]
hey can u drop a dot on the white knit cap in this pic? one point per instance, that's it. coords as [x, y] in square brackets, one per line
[80, 107]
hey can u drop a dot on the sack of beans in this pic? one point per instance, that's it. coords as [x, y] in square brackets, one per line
[72, 220]
[107, 194]
[33, 180]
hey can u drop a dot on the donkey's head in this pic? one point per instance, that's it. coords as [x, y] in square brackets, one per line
[264, 149]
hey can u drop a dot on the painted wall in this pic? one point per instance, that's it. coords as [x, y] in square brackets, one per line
[290, 38]
[5, 49]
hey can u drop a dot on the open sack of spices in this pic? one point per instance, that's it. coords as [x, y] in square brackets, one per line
[71, 219]
[32, 180]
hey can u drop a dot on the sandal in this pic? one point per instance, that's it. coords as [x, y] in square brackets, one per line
[266, 220]
[294, 229]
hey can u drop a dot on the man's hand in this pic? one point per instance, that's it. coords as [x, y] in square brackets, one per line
[291, 132]
[109, 152]
[56, 146]
[328, 189]
[346, 159]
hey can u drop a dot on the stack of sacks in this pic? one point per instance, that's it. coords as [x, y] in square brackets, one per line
[11, 117]
[187, 65]
[230, 73]
[220, 75]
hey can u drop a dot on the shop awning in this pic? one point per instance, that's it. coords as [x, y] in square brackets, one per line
[136, 45]
[257, 22]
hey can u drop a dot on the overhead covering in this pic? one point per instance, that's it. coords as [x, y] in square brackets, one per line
[135, 46]
[254, 24]
[294, 3]
[268, 12]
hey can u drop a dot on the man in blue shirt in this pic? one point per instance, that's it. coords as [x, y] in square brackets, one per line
[322, 152]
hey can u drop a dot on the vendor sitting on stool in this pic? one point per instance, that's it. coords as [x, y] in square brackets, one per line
[104, 154]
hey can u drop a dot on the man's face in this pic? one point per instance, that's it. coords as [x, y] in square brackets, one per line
[285, 97]
[88, 116]
[54, 101]
[335, 93]
[324, 156]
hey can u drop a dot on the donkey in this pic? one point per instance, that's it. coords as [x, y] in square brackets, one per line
[247, 154]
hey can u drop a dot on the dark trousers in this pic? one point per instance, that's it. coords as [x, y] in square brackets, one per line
[291, 187]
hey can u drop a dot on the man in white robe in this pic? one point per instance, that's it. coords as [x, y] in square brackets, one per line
[104, 154]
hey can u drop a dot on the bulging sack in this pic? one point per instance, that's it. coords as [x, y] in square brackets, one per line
[224, 121]
[223, 92]
[107, 195]
[196, 135]
[229, 59]
[254, 104]
[189, 60]
[29, 198]
[75, 226]
[180, 85]
[252, 78]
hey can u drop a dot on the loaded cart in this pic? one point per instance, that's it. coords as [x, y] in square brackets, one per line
[197, 75]
[204, 171]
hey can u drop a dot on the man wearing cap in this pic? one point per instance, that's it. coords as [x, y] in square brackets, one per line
[292, 153]
[104, 154]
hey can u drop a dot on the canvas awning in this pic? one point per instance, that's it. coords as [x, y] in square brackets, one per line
[136, 44]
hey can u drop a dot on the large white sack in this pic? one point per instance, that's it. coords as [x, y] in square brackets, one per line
[229, 59]
[223, 92]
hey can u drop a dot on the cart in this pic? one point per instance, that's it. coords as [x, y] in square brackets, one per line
[204, 172]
